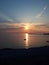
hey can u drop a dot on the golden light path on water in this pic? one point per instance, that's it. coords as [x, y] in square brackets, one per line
[26, 40]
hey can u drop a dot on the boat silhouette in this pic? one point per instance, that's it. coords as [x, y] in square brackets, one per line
[24, 39]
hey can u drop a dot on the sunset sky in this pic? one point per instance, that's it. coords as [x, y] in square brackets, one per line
[31, 14]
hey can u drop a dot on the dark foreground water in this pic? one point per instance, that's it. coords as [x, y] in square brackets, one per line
[20, 40]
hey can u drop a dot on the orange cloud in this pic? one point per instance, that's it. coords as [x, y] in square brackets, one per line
[20, 27]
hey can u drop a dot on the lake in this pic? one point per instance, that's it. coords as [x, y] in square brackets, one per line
[22, 40]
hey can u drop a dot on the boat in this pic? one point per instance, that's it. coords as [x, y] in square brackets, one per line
[24, 39]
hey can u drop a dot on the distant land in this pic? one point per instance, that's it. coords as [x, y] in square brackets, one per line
[46, 34]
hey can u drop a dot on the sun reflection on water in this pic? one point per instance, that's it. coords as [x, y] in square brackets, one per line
[26, 40]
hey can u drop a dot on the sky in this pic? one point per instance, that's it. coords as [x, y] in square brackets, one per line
[24, 11]
[25, 15]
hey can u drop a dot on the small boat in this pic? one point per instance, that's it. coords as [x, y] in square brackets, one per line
[24, 39]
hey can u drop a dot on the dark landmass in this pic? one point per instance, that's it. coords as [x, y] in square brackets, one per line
[47, 41]
[46, 34]
[31, 56]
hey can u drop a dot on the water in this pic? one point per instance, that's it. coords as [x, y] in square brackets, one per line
[16, 40]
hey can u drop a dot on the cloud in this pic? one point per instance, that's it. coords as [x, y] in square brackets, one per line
[41, 13]
[3, 16]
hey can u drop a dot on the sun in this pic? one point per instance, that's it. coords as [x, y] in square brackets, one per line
[26, 27]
